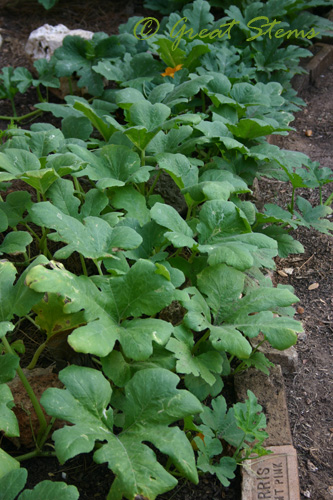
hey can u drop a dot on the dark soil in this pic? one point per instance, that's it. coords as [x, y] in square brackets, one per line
[309, 389]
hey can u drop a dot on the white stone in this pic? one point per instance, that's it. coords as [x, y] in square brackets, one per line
[43, 41]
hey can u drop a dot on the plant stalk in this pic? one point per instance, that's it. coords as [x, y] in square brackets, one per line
[35, 453]
[35, 357]
[83, 264]
[23, 117]
[30, 392]
[151, 190]
[202, 339]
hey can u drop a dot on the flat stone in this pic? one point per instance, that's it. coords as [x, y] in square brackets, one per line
[270, 393]
[272, 477]
[287, 359]
[43, 41]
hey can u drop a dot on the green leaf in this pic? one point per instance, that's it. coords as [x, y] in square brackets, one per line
[250, 419]
[192, 60]
[150, 404]
[227, 338]
[8, 365]
[219, 219]
[44, 142]
[222, 422]
[152, 235]
[78, 55]
[94, 238]
[64, 163]
[202, 364]
[279, 331]
[23, 78]
[15, 206]
[61, 193]
[200, 388]
[45, 70]
[313, 216]
[158, 93]
[103, 128]
[5, 327]
[224, 469]
[259, 361]
[137, 336]
[40, 180]
[171, 57]
[179, 168]
[17, 299]
[76, 126]
[139, 291]
[222, 286]
[150, 116]
[245, 93]
[185, 90]
[12, 482]
[16, 162]
[51, 318]
[250, 128]
[180, 234]
[3, 221]
[116, 368]
[50, 490]
[133, 202]
[198, 15]
[114, 165]
[15, 242]
[243, 251]
[8, 421]
[7, 464]
[286, 243]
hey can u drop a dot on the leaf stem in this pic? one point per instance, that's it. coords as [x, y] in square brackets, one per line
[202, 339]
[329, 200]
[143, 157]
[151, 190]
[78, 188]
[203, 100]
[98, 265]
[292, 201]
[83, 264]
[23, 117]
[30, 392]
[31, 231]
[70, 85]
[39, 94]
[238, 448]
[35, 357]
[35, 453]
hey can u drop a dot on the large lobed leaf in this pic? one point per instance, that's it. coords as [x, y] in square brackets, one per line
[107, 302]
[150, 404]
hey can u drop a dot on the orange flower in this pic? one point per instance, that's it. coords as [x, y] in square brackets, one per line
[171, 71]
